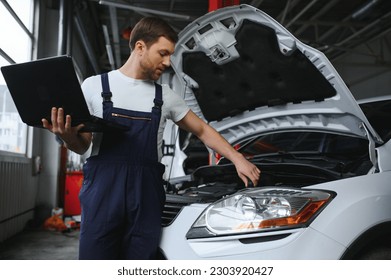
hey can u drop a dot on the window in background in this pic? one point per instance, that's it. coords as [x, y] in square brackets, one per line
[15, 46]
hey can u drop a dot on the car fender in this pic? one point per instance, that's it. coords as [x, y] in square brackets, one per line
[361, 203]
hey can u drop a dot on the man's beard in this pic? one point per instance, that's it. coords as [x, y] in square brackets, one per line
[148, 71]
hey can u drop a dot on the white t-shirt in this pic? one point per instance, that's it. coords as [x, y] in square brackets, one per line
[132, 94]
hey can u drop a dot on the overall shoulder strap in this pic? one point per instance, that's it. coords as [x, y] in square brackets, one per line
[106, 93]
[158, 101]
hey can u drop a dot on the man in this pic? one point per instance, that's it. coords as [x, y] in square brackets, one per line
[122, 194]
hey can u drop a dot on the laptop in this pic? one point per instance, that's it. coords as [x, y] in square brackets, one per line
[39, 85]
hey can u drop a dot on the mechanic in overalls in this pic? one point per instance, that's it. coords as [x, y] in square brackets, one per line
[122, 194]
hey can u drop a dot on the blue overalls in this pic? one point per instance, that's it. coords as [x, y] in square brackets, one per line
[122, 196]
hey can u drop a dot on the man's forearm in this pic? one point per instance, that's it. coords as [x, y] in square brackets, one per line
[80, 143]
[211, 138]
[219, 144]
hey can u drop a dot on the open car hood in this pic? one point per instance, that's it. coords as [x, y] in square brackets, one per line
[245, 74]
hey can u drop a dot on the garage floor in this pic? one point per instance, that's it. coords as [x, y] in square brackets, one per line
[41, 244]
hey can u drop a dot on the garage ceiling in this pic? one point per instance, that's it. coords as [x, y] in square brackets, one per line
[335, 27]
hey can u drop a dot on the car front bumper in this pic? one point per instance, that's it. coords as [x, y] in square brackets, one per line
[299, 243]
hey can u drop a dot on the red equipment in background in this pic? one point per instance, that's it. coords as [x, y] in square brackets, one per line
[73, 183]
[217, 4]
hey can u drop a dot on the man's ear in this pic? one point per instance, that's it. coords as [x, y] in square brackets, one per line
[140, 46]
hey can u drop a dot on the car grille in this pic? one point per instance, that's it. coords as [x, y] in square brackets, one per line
[173, 206]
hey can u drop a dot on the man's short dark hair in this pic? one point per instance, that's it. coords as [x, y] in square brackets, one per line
[150, 29]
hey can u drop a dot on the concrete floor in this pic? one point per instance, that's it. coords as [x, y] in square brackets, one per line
[41, 244]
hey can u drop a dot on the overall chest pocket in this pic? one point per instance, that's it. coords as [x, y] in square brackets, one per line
[130, 117]
[138, 122]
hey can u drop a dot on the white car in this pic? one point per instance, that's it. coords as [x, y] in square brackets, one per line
[325, 187]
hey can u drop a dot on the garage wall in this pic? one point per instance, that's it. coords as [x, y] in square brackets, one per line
[26, 197]
[49, 189]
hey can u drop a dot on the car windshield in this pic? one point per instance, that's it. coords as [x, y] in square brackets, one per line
[378, 114]
[306, 143]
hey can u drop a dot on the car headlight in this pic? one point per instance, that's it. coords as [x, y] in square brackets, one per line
[260, 209]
